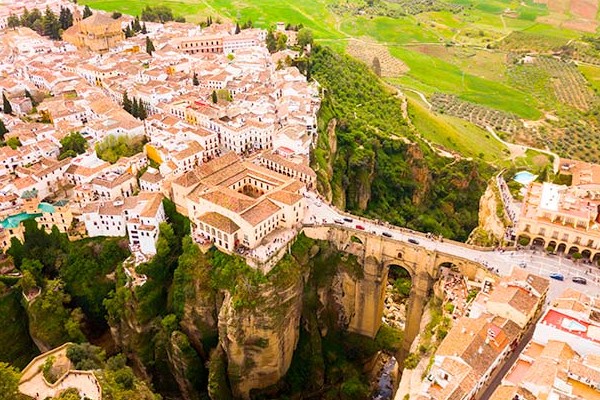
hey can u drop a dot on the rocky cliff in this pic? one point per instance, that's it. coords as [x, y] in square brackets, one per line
[491, 228]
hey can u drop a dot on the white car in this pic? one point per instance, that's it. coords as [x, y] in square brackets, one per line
[318, 203]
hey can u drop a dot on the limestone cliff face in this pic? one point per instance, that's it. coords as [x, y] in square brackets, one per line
[491, 228]
[199, 320]
[420, 172]
[260, 342]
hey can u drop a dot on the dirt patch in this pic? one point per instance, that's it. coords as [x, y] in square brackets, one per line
[586, 9]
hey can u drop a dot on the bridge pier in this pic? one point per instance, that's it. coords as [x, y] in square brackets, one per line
[422, 283]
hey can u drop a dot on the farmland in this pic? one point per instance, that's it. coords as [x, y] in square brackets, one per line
[463, 51]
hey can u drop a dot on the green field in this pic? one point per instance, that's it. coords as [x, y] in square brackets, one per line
[455, 134]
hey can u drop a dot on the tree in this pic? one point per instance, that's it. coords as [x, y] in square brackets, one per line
[376, 66]
[142, 112]
[73, 142]
[30, 97]
[144, 30]
[127, 105]
[3, 130]
[281, 42]
[87, 12]
[6, 107]
[214, 97]
[128, 32]
[65, 18]
[13, 142]
[305, 37]
[195, 79]
[135, 108]
[27, 282]
[51, 24]
[237, 28]
[116, 15]
[149, 46]
[9, 382]
[271, 41]
[136, 24]
[13, 21]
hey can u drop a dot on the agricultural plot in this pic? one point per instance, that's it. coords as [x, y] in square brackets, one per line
[528, 42]
[539, 74]
[367, 52]
[414, 7]
[474, 113]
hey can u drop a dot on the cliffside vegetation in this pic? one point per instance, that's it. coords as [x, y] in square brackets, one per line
[374, 164]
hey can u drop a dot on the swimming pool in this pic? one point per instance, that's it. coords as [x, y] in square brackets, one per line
[524, 177]
[14, 220]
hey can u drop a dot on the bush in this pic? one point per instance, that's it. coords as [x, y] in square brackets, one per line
[411, 361]
[114, 147]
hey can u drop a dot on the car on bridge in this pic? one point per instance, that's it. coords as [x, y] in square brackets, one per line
[339, 221]
[348, 219]
[557, 276]
[413, 241]
[579, 279]
[386, 234]
[360, 227]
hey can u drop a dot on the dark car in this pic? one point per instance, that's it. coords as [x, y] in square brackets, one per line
[557, 276]
[386, 234]
[413, 241]
[348, 219]
[579, 279]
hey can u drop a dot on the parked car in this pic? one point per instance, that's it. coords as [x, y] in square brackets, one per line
[413, 241]
[523, 264]
[339, 221]
[362, 228]
[318, 203]
[557, 276]
[348, 219]
[386, 234]
[579, 279]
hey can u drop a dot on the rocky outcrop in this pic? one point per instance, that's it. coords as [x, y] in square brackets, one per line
[491, 228]
[260, 342]
[420, 172]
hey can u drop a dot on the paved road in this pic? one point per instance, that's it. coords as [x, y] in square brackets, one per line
[536, 262]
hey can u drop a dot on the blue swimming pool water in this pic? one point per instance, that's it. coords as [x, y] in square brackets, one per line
[524, 177]
[14, 220]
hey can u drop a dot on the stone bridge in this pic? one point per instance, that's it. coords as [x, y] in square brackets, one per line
[378, 253]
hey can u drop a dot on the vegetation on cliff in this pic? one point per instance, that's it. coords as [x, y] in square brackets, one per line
[16, 346]
[381, 169]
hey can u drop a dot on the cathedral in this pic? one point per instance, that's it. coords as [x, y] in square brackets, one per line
[98, 32]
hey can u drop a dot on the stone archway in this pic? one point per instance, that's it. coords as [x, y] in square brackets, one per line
[397, 295]
[562, 248]
[551, 246]
[538, 242]
[523, 240]
[573, 249]
[586, 255]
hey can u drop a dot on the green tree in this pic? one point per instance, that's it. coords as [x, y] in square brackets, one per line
[116, 15]
[237, 28]
[13, 142]
[271, 41]
[305, 37]
[65, 18]
[195, 79]
[127, 104]
[87, 12]
[73, 142]
[3, 130]
[9, 382]
[13, 21]
[136, 24]
[149, 46]
[6, 107]
[30, 97]
[135, 108]
[142, 112]
[214, 97]
[51, 24]
[27, 282]
[281, 42]
[144, 30]
[128, 32]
